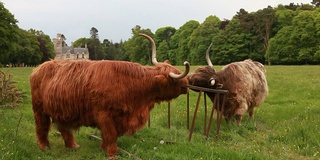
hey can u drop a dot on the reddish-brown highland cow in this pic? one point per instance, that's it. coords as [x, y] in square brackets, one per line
[246, 82]
[114, 96]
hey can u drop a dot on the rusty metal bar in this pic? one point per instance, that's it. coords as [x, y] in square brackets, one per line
[205, 114]
[220, 117]
[219, 112]
[195, 115]
[214, 104]
[188, 110]
[169, 115]
[206, 89]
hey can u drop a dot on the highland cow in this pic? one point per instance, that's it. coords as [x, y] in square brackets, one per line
[245, 81]
[114, 96]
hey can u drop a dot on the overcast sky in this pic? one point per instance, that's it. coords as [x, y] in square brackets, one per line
[114, 19]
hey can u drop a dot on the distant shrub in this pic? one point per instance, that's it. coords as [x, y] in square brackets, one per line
[10, 95]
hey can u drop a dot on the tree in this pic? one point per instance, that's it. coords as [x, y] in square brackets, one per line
[138, 48]
[162, 39]
[298, 43]
[231, 44]
[258, 25]
[164, 34]
[292, 6]
[81, 42]
[94, 33]
[163, 53]
[201, 38]
[317, 20]
[94, 45]
[304, 36]
[264, 20]
[112, 50]
[26, 49]
[8, 28]
[246, 20]
[120, 55]
[249, 27]
[283, 17]
[280, 50]
[45, 44]
[179, 41]
[316, 3]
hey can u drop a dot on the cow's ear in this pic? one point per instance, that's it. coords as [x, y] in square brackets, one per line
[160, 79]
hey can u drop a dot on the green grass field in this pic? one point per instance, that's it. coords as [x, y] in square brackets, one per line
[286, 126]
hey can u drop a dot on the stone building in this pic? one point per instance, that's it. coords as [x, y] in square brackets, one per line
[62, 51]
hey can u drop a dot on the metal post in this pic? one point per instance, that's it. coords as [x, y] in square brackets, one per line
[169, 115]
[220, 117]
[188, 110]
[214, 104]
[195, 115]
[205, 114]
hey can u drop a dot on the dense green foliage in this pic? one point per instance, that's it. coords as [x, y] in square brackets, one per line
[286, 34]
[20, 47]
[7, 27]
[286, 126]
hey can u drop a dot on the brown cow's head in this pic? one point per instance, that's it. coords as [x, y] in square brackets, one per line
[205, 76]
[170, 80]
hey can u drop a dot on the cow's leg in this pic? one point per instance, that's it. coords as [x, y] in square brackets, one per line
[67, 136]
[243, 107]
[251, 113]
[138, 119]
[42, 127]
[109, 135]
[227, 118]
[238, 119]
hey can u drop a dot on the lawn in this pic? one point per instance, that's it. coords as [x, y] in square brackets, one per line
[286, 126]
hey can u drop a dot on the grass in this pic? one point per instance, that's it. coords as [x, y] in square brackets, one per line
[286, 126]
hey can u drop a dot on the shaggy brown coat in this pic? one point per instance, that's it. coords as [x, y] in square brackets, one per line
[114, 96]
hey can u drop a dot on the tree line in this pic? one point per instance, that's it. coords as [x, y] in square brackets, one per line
[286, 35]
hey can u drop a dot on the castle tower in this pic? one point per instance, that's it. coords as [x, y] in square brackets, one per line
[57, 45]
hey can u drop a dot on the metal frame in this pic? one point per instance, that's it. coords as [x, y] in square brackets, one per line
[216, 103]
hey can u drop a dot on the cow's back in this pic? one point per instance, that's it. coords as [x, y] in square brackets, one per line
[246, 80]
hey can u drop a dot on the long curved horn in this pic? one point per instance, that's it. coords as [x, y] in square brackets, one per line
[153, 45]
[178, 76]
[208, 57]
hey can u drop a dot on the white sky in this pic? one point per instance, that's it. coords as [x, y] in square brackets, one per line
[114, 19]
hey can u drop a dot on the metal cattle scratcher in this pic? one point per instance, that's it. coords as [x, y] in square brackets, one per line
[216, 105]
